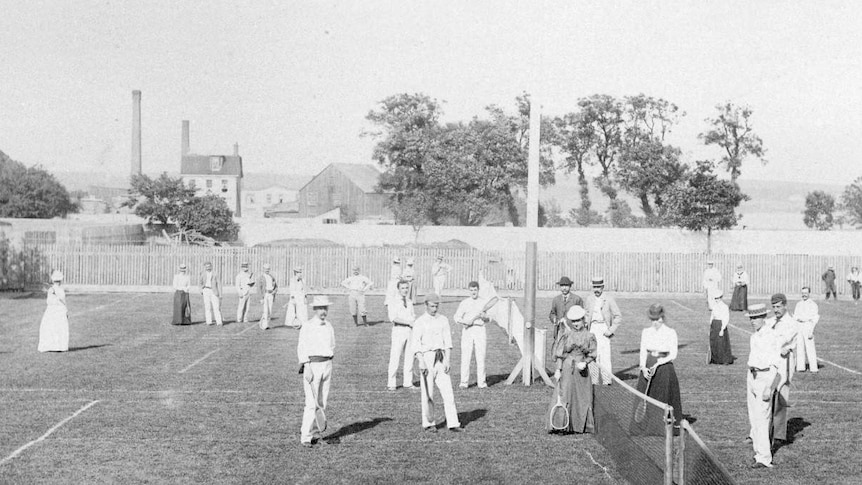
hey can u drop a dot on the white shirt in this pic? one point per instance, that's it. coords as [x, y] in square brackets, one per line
[720, 311]
[269, 282]
[357, 282]
[468, 311]
[663, 339]
[409, 273]
[440, 269]
[316, 337]
[208, 279]
[395, 272]
[854, 277]
[711, 278]
[740, 278]
[182, 282]
[765, 351]
[297, 289]
[401, 312]
[597, 315]
[806, 311]
[242, 282]
[431, 333]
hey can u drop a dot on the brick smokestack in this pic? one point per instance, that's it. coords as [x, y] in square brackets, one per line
[236, 149]
[185, 147]
[136, 132]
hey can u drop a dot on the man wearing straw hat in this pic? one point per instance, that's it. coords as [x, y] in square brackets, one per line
[315, 350]
[604, 317]
[211, 291]
[762, 380]
[357, 284]
[297, 305]
[269, 287]
[244, 283]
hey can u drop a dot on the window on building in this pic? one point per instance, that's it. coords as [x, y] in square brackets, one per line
[224, 185]
[209, 184]
[192, 184]
[312, 198]
[216, 163]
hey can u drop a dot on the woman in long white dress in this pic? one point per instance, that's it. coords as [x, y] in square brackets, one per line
[54, 330]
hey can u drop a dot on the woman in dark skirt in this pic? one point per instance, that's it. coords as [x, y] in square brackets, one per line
[574, 348]
[657, 378]
[182, 308]
[739, 301]
[719, 337]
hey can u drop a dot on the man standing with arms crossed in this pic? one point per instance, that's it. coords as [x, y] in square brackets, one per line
[561, 304]
[604, 317]
[784, 329]
[269, 288]
[244, 284]
[807, 314]
[357, 285]
[402, 316]
[471, 315]
[432, 343]
[211, 291]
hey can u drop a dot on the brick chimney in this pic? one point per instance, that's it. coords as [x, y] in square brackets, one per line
[185, 135]
[136, 132]
[236, 149]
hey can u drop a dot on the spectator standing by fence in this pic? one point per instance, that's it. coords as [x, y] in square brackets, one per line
[244, 283]
[711, 281]
[605, 318]
[829, 282]
[357, 284]
[807, 314]
[739, 301]
[439, 272]
[409, 275]
[719, 338]
[855, 280]
[269, 288]
[54, 329]
[392, 284]
[561, 304]
[402, 316]
[211, 291]
[297, 306]
[182, 314]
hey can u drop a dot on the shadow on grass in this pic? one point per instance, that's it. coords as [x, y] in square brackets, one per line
[794, 427]
[353, 428]
[372, 323]
[21, 295]
[625, 375]
[87, 347]
[496, 379]
[470, 416]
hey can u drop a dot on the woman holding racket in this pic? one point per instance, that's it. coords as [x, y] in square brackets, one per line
[657, 377]
[572, 404]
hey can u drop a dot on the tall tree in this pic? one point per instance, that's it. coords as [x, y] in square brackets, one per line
[604, 116]
[210, 216]
[851, 203]
[819, 207]
[575, 139]
[31, 192]
[158, 199]
[703, 202]
[732, 131]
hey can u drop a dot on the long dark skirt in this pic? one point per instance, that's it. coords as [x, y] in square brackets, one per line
[576, 391]
[664, 387]
[739, 302]
[719, 347]
[182, 309]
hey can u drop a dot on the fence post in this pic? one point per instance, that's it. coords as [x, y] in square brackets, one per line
[668, 447]
[683, 427]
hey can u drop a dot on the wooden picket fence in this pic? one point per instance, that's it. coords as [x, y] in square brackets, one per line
[326, 266]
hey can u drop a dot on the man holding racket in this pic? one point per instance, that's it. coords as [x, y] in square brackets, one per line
[315, 350]
[762, 380]
[431, 342]
[472, 317]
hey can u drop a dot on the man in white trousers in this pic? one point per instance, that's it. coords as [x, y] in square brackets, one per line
[314, 350]
[472, 318]
[297, 306]
[401, 314]
[431, 342]
[807, 314]
[762, 379]
[244, 283]
[785, 329]
[439, 272]
[604, 317]
[269, 288]
[211, 291]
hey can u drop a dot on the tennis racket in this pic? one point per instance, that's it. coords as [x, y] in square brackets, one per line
[640, 411]
[559, 417]
[427, 389]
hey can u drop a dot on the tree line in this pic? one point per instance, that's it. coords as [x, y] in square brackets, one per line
[823, 211]
[460, 172]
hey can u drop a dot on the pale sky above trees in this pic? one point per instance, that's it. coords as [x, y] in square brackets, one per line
[292, 82]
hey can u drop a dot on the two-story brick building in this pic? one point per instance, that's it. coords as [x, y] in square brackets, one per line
[219, 175]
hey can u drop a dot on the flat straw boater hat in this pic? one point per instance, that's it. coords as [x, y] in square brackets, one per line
[757, 310]
[57, 275]
[320, 301]
[598, 281]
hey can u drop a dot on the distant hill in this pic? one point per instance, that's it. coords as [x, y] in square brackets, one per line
[774, 204]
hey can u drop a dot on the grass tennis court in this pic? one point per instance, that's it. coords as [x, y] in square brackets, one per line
[137, 400]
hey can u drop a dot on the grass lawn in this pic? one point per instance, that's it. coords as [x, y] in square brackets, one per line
[211, 404]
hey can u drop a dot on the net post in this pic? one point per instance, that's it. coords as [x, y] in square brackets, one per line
[683, 428]
[668, 446]
[529, 312]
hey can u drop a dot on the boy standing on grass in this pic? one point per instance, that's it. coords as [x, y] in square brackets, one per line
[401, 314]
[315, 350]
[471, 315]
[762, 380]
[431, 342]
[211, 292]
[357, 285]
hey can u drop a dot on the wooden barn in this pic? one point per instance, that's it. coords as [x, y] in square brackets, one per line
[350, 187]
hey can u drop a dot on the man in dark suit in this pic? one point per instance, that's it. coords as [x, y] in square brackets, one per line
[561, 304]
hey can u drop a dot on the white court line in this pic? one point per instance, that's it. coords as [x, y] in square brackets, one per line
[88, 310]
[42, 438]
[749, 333]
[198, 361]
[604, 469]
[245, 330]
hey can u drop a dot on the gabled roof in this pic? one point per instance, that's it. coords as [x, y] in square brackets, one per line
[200, 165]
[363, 175]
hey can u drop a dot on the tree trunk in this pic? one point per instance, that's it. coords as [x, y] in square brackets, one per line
[708, 241]
[645, 205]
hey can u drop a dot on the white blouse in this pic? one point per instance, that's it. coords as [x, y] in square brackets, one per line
[662, 339]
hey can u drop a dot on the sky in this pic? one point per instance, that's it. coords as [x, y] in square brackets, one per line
[292, 82]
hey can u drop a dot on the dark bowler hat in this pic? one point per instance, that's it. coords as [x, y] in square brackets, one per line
[757, 310]
[656, 311]
[598, 281]
[778, 298]
[565, 281]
